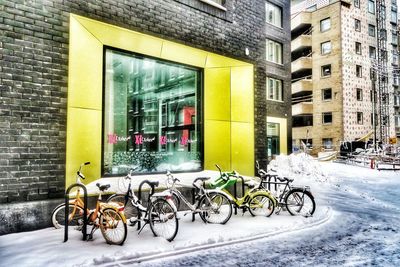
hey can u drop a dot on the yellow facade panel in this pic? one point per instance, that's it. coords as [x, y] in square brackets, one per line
[122, 38]
[217, 144]
[217, 61]
[85, 68]
[217, 96]
[242, 94]
[183, 54]
[83, 143]
[242, 139]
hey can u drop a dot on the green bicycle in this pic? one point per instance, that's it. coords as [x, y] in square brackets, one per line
[256, 201]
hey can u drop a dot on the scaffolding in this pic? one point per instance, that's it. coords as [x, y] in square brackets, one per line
[381, 91]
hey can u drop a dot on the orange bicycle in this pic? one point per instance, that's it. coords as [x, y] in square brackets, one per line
[109, 217]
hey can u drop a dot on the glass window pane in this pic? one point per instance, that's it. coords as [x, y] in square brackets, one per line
[151, 115]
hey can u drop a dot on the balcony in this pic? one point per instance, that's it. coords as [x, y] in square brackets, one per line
[301, 22]
[302, 108]
[302, 42]
[300, 86]
[301, 67]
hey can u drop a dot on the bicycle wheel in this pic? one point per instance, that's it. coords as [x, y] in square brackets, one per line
[163, 220]
[75, 216]
[129, 210]
[113, 227]
[300, 202]
[215, 208]
[261, 205]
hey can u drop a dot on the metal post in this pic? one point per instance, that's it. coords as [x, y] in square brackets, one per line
[85, 200]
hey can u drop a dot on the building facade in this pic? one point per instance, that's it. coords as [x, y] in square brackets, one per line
[147, 85]
[335, 59]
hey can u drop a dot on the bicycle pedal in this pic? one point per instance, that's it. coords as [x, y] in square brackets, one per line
[132, 222]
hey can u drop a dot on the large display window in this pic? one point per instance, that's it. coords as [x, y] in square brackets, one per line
[152, 115]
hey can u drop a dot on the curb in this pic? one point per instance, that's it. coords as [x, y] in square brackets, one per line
[218, 244]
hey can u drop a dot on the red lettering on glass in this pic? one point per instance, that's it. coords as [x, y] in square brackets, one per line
[184, 140]
[138, 139]
[163, 140]
[112, 138]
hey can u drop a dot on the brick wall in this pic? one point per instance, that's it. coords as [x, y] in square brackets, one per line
[34, 64]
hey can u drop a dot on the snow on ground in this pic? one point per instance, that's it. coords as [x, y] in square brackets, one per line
[45, 247]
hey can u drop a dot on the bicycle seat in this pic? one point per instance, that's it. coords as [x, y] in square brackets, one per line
[103, 187]
[154, 183]
[285, 179]
[201, 179]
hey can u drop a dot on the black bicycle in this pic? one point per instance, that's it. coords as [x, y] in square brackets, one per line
[160, 212]
[297, 200]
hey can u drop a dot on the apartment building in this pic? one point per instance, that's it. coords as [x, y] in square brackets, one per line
[143, 85]
[335, 69]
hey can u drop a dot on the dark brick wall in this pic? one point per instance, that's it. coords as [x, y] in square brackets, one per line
[34, 64]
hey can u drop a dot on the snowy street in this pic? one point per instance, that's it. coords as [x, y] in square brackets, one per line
[364, 230]
[355, 224]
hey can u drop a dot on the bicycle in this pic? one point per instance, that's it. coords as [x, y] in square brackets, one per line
[258, 202]
[109, 217]
[296, 200]
[213, 206]
[160, 213]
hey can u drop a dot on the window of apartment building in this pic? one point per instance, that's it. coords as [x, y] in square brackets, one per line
[357, 25]
[274, 51]
[274, 89]
[152, 122]
[395, 57]
[325, 24]
[360, 118]
[371, 30]
[357, 3]
[395, 39]
[397, 120]
[326, 117]
[371, 6]
[327, 143]
[326, 94]
[273, 146]
[359, 71]
[396, 80]
[274, 14]
[326, 70]
[393, 16]
[371, 95]
[372, 52]
[359, 94]
[358, 48]
[326, 47]
[396, 100]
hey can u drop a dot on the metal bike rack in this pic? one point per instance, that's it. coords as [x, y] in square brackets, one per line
[273, 182]
[235, 191]
[149, 183]
[85, 200]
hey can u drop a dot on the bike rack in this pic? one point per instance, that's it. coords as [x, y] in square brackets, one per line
[149, 183]
[273, 182]
[235, 191]
[85, 200]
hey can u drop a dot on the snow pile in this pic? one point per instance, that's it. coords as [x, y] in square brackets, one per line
[300, 167]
